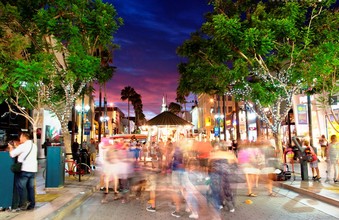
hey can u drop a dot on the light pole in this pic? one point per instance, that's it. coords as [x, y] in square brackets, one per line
[81, 110]
[104, 119]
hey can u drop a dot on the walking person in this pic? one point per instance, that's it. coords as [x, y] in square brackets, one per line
[222, 165]
[333, 159]
[152, 185]
[27, 153]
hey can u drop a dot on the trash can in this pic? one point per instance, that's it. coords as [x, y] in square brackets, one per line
[55, 167]
[6, 189]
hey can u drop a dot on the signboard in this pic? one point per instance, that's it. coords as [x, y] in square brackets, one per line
[216, 131]
[332, 100]
[302, 114]
[87, 128]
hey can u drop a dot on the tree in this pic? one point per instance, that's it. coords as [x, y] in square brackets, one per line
[139, 115]
[323, 78]
[126, 94]
[54, 43]
[256, 51]
[174, 108]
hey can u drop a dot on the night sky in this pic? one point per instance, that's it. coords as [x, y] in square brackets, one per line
[146, 60]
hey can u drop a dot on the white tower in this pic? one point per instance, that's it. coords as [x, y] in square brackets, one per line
[164, 105]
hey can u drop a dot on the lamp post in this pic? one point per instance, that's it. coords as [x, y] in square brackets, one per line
[218, 117]
[81, 110]
[104, 119]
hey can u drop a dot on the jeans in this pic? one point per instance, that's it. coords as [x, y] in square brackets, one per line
[25, 184]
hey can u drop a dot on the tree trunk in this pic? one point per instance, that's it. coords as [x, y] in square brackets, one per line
[129, 128]
[67, 140]
[278, 142]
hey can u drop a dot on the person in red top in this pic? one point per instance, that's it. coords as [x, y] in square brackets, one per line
[314, 162]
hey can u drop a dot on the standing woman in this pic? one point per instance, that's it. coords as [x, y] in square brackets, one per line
[27, 153]
[323, 145]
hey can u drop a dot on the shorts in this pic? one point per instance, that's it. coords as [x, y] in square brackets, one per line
[179, 179]
[152, 182]
[314, 164]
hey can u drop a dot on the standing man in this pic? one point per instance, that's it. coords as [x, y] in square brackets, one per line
[27, 153]
[92, 150]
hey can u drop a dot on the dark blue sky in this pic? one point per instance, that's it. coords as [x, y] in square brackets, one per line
[147, 60]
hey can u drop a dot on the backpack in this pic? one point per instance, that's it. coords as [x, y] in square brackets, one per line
[308, 155]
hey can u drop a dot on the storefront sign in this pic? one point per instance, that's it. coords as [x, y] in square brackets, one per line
[302, 114]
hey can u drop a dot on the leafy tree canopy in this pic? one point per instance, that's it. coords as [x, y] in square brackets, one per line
[260, 51]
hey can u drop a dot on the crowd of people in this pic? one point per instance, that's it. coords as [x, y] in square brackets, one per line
[220, 164]
[123, 169]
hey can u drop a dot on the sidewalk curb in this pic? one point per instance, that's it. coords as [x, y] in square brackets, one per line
[309, 193]
[71, 205]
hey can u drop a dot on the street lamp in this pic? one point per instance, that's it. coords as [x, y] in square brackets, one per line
[83, 109]
[218, 117]
[105, 120]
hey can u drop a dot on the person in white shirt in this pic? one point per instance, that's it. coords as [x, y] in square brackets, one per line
[25, 181]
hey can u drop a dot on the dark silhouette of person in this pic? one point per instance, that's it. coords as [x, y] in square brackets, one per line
[46, 145]
[75, 149]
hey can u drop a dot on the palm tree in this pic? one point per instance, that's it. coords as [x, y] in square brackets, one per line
[137, 105]
[126, 94]
[174, 108]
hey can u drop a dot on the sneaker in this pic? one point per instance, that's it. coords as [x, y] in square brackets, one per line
[232, 210]
[221, 207]
[175, 214]
[150, 209]
[16, 210]
[194, 215]
[30, 208]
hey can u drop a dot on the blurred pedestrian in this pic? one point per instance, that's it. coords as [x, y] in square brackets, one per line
[153, 153]
[152, 184]
[144, 152]
[248, 157]
[333, 159]
[168, 154]
[179, 186]
[222, 170]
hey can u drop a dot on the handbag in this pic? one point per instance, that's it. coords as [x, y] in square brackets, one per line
[16, 167]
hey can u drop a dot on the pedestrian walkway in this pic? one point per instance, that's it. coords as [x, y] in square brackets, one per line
[55, 203]
[324, 191]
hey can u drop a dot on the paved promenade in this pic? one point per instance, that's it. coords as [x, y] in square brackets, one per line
[58, 202]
